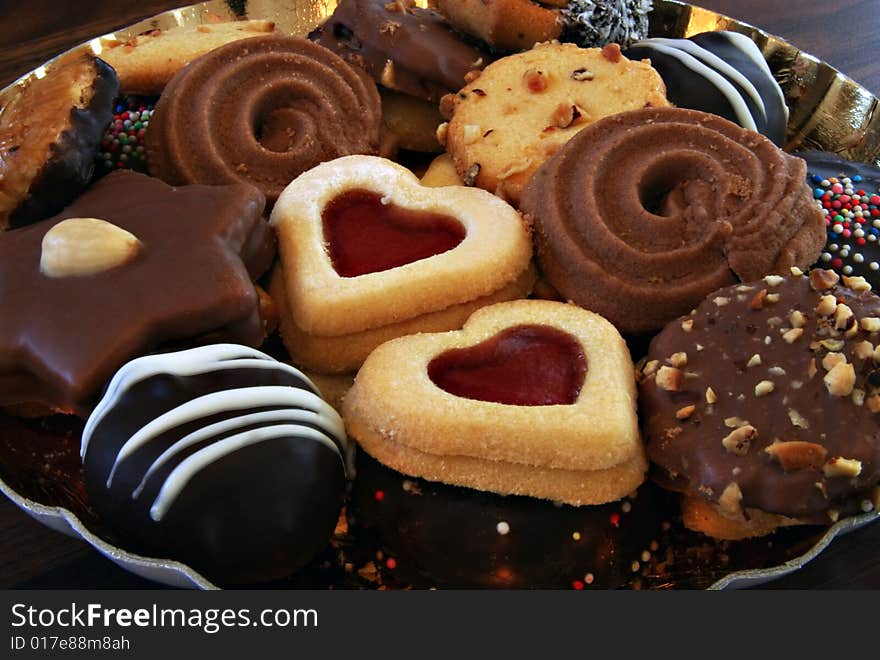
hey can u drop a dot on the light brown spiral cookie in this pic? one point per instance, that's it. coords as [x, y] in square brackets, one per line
[643, 214]
[261, 111]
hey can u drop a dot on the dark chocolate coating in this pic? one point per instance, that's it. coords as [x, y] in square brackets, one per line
[688, 89]
[72, 156]
[257, 513]
[429, 58]
[719, 347]
[62, 338]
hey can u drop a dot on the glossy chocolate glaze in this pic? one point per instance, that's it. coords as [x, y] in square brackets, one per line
[61, 339]
[258, 512]
[726, 333]
[365, 235]
[527, 365]
[429, 59]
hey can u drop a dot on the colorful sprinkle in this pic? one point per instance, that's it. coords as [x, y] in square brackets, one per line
[123, 146]
[502, 528]
[379, 495]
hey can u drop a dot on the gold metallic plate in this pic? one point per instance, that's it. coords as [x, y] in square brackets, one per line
[828, 112]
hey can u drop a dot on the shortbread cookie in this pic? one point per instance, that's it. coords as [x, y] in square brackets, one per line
[441, 172]
[763, 404]
[530, 397]
[412, 121]
[346, 353]
[524, 107]
[643, 214]
[364, 245]
[503, 24]
[145, 63]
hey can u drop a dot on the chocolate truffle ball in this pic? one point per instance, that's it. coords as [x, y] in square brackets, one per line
[219, 457]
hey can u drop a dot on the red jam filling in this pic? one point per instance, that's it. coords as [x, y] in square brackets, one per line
[527, 365]
[366, 236]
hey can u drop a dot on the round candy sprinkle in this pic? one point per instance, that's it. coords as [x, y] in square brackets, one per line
[123, 143]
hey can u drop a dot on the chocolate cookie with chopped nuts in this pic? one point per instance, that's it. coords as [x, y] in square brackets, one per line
[762, 406]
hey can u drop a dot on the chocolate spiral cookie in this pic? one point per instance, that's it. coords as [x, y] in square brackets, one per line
[644, 213]
[261, 111]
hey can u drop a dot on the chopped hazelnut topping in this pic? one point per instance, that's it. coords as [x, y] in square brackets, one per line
[711, 397]
[772, 298]
[842, 467]
[734, 422]
[687, 325]
[721, 301]
[470, 77]
[758, 300]
[650, 368]
[832, 344]
[840, 380]
[833, 515]
[792, 335]
[797, 272]
[822, 280]
[678, 359]
[843, 317]
[582, 74]
[873, 403]
[442, 132]
[754, 361]
[776, 371]
[739, 440]
[764, 388]
[774, 321]
[797, 419]
[684, 413]
[812, 370]
[388, 78]
[730, 500]
[826, 306]
[535, 80]
[797, 319]
[470, 176]
[669, 379]
[858, 397]
[876, 356]
[798, 455]
[471, 133]
[774, 280]
[863, 350]
[870, 324]
[857, 283]
[831, 360]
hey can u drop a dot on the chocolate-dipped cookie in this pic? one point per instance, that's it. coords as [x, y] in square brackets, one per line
[219, 457]
[131, 265]
[723, 73]
[761, 405]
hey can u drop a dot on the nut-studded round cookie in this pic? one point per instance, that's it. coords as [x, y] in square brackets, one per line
[765, 400]
[523, 108]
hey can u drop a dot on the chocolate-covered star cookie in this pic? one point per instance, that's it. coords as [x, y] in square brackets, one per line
[131, 265]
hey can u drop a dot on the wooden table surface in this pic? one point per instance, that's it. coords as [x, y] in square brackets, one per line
[841, 32]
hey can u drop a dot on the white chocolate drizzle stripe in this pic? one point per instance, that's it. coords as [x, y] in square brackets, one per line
[750, 49]
[711, 60]
[192, 465]
[217, 402]
[219, 428]
[191, 362]
[740, 109]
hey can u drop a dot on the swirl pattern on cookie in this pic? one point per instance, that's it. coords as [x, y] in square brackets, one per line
[689, 215]
[261, 111]
[174, 430]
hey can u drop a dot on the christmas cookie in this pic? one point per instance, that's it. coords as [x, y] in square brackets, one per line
[507, 25]
[130, 266]
[219, 457]
[521, 109]
[261, 111]
[366, 249]
[145, 63]
[530, 397]
[761, 405]
[643, 214]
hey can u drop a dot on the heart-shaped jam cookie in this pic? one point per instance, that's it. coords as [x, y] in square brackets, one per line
[531, 397]
[364, 245]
